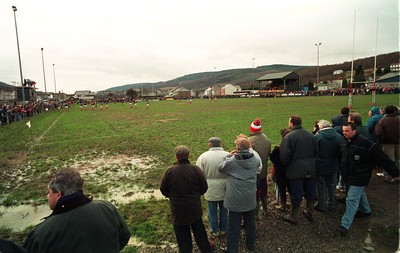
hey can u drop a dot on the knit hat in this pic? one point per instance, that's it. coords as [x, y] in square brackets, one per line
[255, 126]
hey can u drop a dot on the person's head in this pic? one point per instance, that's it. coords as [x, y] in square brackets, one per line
[344, 111]
[284, 131]
[324, 124]
[391, 110]
[242, 143]
[349, 130]
[255, 126]
[242, 136]
[182, 152]
[214, 142]
[356, 118]
[316, 127]
[294, 120]
[63, 182]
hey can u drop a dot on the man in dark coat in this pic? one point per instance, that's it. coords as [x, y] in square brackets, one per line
[77, 223]
[359, 157]
[183, 184]
[328, 141]
[298, 151]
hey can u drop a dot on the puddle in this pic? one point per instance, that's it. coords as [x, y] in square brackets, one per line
[20, 217]
[117, 173]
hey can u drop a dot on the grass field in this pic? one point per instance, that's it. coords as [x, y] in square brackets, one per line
[59, 139]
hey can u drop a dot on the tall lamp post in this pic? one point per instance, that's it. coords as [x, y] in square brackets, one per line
[44, 75]
[253, 71]
[318, 44]
[19, 57]
[54, 73]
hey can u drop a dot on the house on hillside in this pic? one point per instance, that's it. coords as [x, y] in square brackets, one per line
[395, 67]
[279, 83]
[338, 72]
[7, 92]
[230, 89]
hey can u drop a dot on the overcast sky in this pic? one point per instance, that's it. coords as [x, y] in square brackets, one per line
[96, 45]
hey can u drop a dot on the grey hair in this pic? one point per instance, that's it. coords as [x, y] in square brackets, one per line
[182, 152]
[66, 181]
[324, 124]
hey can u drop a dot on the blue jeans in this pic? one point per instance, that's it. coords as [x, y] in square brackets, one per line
[356, 199]
[184, 237]
[217, 222]
[234, 225]
[302, 187]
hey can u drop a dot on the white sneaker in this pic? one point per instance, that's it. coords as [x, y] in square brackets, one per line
[379, 174]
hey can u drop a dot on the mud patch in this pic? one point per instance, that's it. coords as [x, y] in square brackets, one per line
[118, 179]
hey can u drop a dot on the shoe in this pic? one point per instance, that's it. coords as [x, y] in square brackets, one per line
[319, 209]
[224, 249]
[342, 230]
[222, 233]
[215, 234]
[379, 174]
[281, 208]
[362, 215]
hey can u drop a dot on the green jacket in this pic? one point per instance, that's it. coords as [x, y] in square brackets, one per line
[93, 227]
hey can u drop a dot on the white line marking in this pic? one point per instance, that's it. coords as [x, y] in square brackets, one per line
[45, 132]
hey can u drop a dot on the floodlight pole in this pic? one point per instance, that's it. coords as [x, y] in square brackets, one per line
[19, 57]
[54, 73]
[253, 73]
[318, 44]
[44, 75]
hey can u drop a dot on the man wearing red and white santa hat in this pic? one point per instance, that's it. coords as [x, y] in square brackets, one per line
[262, 145]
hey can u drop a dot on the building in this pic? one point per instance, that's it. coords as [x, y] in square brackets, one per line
[275, 84]
[84, 95]
[230, 89]
[7, 92]
[395, 67]
[391, 79]
[338, 72]
[179, 92]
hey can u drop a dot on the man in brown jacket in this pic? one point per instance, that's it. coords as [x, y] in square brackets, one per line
[262, 145]
[183, 184]
[387, 132]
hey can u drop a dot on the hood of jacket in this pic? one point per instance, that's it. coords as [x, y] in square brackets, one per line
[243, 154]
[328, 133]
[375, 110]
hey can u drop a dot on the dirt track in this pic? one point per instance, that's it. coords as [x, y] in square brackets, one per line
[379, 233]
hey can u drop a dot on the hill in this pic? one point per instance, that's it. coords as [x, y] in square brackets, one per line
[244, 77]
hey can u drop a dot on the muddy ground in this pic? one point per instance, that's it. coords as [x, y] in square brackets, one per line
[378, 233]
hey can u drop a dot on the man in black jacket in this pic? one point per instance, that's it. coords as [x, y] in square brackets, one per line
[184, 183]
[359, 157]
[298, 152]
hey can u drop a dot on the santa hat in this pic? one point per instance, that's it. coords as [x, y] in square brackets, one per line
[255, 126]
